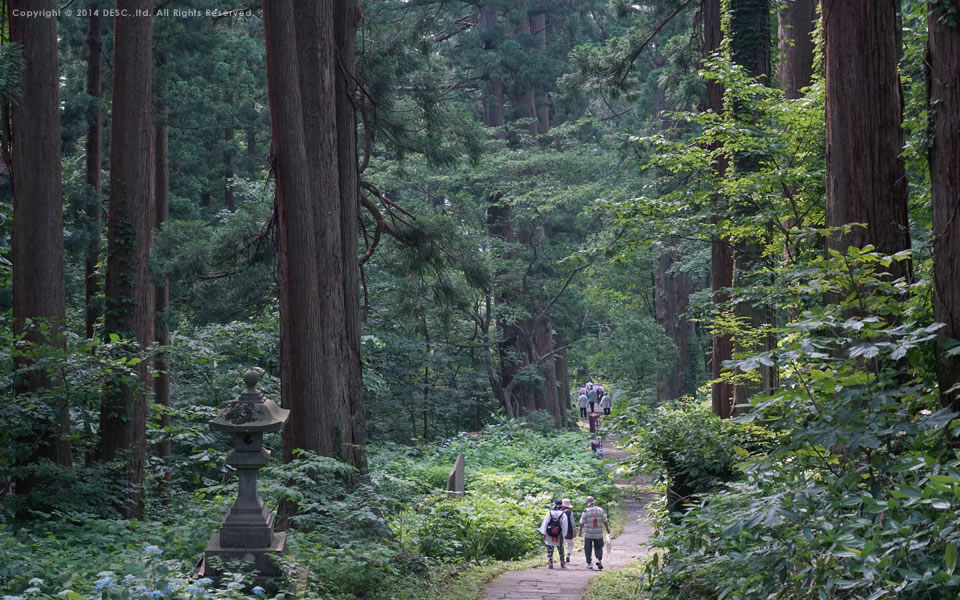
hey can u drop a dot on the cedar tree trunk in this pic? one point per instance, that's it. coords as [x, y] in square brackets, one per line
[944, 57]
[721, 262]
[37, 232]
[866, 178]
[346, 18]
[128, 291]
[796, 22]
[161, 381]
[94, 205]
[301, 338]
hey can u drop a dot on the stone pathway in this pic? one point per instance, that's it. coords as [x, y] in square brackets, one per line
[542, 583]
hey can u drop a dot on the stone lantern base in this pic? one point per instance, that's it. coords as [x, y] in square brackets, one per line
[260, 559]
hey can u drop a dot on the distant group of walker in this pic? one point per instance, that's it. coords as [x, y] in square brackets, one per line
[594, 396]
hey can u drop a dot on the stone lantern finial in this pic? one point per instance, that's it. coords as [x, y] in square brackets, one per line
[250, 378]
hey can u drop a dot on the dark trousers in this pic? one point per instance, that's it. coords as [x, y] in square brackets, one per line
[596, 546]
[606, 411]
[583, 412]
[591, 407]
[559, 551]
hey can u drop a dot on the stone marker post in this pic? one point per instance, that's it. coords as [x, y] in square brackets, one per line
[246, 533]
[456, 481]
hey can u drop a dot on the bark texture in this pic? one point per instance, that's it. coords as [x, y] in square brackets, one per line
[721, 254]
[672, 297]
[944, 60]
[300, 333]
[563, 382]
[493, 90]
[315, 51]
[161, 302]
[37, 231]
[91, 287]
[346, 18]
[538, 28]
[548, 366]
[524, 96]
[128, 291]
[866, 178]
[795, 25]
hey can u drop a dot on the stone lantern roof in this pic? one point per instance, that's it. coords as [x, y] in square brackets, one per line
[251, 411]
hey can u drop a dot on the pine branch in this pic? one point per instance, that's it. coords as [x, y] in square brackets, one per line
[623, 68]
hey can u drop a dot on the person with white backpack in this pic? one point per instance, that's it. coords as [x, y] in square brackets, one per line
[554, 529]
[592, 395]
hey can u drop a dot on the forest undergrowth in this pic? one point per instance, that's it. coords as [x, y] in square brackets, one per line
[396, 534]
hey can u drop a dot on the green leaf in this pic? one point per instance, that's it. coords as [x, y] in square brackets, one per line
[950, 557]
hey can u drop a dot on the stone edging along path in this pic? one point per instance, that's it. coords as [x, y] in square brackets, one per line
[542, 583]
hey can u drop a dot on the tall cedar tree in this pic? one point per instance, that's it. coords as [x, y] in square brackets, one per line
[317, 72]
[301, 336]
[866, 177]
[672, 295]
[795, 25]
[944, 60]
[749, 32]
[91, 287]
[524, 95]
[37, 235]
[353, 427]
[721, 260]
[128, 292]
[161, 383]
[310, 84]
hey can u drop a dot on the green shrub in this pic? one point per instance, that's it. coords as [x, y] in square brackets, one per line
[471, 528]
[541, 421]
[696, 451]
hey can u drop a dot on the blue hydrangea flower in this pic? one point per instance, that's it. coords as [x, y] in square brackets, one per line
[259, 591]
[104, 582]
[156, 594]
[153, 550]
[204, 581]
[233, 585]
[35, 581]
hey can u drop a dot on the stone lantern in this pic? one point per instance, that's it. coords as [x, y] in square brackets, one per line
[246, 533]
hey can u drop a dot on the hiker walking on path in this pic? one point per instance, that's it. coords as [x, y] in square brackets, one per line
[593, 520]
[591, 395]
[582, 403]
[605, 403]
[554, 529]
[571, 528]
